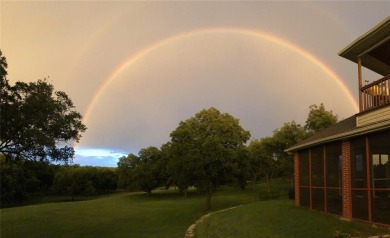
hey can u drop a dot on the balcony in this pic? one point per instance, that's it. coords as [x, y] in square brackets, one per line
[375, 94]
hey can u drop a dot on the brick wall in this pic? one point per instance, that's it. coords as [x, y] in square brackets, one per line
[296, 178]
[346, 180]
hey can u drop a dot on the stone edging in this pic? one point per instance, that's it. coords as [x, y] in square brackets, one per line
[190, 231]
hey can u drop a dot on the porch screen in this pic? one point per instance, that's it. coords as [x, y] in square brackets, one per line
[380, 182]
[333, 178]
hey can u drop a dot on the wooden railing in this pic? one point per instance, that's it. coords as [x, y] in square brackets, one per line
[376, 94]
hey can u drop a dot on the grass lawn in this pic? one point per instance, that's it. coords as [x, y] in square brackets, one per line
[168, 214]
[164, 214]
[279, 218]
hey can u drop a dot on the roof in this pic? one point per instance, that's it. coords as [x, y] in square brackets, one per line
[373, 48]
[343, 130]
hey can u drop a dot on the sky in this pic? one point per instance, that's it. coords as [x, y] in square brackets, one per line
[135, 69]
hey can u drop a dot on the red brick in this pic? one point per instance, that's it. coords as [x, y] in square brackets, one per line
[346, 180]
[296, 178]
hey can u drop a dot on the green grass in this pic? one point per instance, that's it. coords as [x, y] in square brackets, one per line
[168, 214]
[120, 215]
[164, 214]
[279, 218]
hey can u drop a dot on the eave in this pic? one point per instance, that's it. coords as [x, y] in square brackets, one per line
[367, 46]
[357, 131]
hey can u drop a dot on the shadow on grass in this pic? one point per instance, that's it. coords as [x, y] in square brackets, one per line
[44, 198]
[164, 194]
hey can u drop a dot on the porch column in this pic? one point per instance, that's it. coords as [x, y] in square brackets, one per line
[346, 180]
[360, 83]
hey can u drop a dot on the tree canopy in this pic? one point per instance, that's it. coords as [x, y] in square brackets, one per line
[319, 119]
[262, 160]
[145, 171]
[288, 135]
[207, 145]
[37, 122]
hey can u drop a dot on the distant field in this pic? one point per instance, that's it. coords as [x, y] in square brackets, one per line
[168, 214]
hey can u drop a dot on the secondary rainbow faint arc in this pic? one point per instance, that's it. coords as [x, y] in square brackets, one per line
[246, 32]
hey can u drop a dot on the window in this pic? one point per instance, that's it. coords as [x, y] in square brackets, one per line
[371, 177]
[304, 178]
[333, 178]
[304, 168]
[320, 178]
[380, 173]
[317, 166]
[358, 163]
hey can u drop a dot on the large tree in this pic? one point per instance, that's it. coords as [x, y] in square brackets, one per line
[37, 123]
[319, 118]
[145, 171]
[178, 168]
[208, 144]
[286, 136]
[125, 166]
[291, 133]
[263, 161]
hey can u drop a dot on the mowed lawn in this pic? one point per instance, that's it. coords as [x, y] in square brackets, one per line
[280, 219]
[168, 214]
[164, 214]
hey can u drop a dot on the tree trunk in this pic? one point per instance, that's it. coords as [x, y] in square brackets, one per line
[254, 178]
[208, 199]
[185, 193]
[267, 178]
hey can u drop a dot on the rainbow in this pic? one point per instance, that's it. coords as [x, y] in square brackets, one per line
[245, 32]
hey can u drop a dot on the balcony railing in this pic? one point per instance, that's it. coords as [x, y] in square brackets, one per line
[376, 94]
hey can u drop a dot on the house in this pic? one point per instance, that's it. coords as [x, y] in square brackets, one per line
[345, 169]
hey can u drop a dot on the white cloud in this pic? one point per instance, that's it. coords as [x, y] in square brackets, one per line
[97, 157]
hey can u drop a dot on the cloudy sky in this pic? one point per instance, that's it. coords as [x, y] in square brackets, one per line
[135, 69]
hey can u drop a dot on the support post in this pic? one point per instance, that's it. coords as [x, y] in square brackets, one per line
[360, 83]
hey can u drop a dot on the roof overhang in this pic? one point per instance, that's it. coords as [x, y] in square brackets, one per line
[373, 48]
[385, 125]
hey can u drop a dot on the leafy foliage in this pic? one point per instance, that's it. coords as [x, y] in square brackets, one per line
[319, 119]
[145, 172]
[21, 178]
[36, 122]
[262, 160]
[288, 135]
[86, 180]
[205, 149]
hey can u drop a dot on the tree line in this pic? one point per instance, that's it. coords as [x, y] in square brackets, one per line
[211, 149]
[22, 180]
[39, 126]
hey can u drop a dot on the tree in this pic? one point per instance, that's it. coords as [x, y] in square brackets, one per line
[179, 168]
[13, 183]
[125, 166]
[105, 180]
[288, 135]
[208, 144]
[37, 123]
[145, 171]
[148, 173]
[263, 161]
[319, 119]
